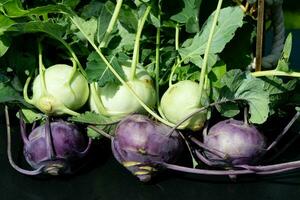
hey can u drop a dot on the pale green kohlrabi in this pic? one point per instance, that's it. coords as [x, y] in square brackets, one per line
[59, 89]
[182, 99]
[115, 100]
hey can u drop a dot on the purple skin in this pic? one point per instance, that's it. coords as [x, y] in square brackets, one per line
[140, 143]
[237, 143]
[54, 147]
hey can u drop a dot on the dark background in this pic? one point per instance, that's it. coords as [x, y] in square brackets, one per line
[106, 179]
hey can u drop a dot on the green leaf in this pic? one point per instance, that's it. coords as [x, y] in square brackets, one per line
[71, 3]
[230, 19]
[91, 133]
[55, 30]
[129, 19]
[283, 63]
[229, 109]
[93, 118]
[12, 8]
[4, 44]
[126, 43]
[31, 116]
[252, 91]
[3, 79]
[233, 79]
[154, 20]
[216, 74]
[239, 86]
[5, 23]
[89, 27]
[104, 19]
[97, 70]
[189, 15]
[93, 9]
[275, 85]
[8, 94]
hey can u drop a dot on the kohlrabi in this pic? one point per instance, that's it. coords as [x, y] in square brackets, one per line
[52, 148]
[234, 142]
[180, 100]
[59, 89]
[140, 144]
[116, 100]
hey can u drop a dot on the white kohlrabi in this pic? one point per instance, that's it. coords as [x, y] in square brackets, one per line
[116, 100]
[180, 100]
[59, 89]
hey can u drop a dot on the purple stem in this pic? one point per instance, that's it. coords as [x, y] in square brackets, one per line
[264, 168]
[49, 140]
[9, 155]
[222, 172]
[196, 112]
[203, 159]
[84, 152]
[206, 171]
[98, 130]
[23, 128]
[284, 148]
[284, 131]
[213, 151]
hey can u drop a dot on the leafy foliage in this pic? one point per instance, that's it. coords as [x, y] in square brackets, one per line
[230, 19]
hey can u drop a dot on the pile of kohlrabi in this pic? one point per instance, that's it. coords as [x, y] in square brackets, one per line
[163, 81]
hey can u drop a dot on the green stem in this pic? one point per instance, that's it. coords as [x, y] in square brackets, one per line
[111, 24]
[178, 62]
[25, 89]
[275, 73]
[97, 99]
[42, 69]
[72, 53]
[123, 82]
[205, 59]
[177, 29]
[135, 58]
[157, 63]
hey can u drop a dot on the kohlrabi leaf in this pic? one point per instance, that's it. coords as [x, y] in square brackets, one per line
[97, 70]
[30, 116]
[230, 19]
[91, 133]
[216, 74]
[189, 15]
[129, 19]
[4, 44]
[283, 63]
[5, 23]
[9, 95]
[275, 85]
[93, 118]
[104, 19]
[89, 27]
[12, 8]
[278, 91]
[53, 29]
[239, 86]
[125, 42]
[93, 9]
[233, 79]
[252, 91]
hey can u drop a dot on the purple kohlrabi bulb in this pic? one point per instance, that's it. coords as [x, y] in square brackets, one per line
[238, 142]
[140, 143]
